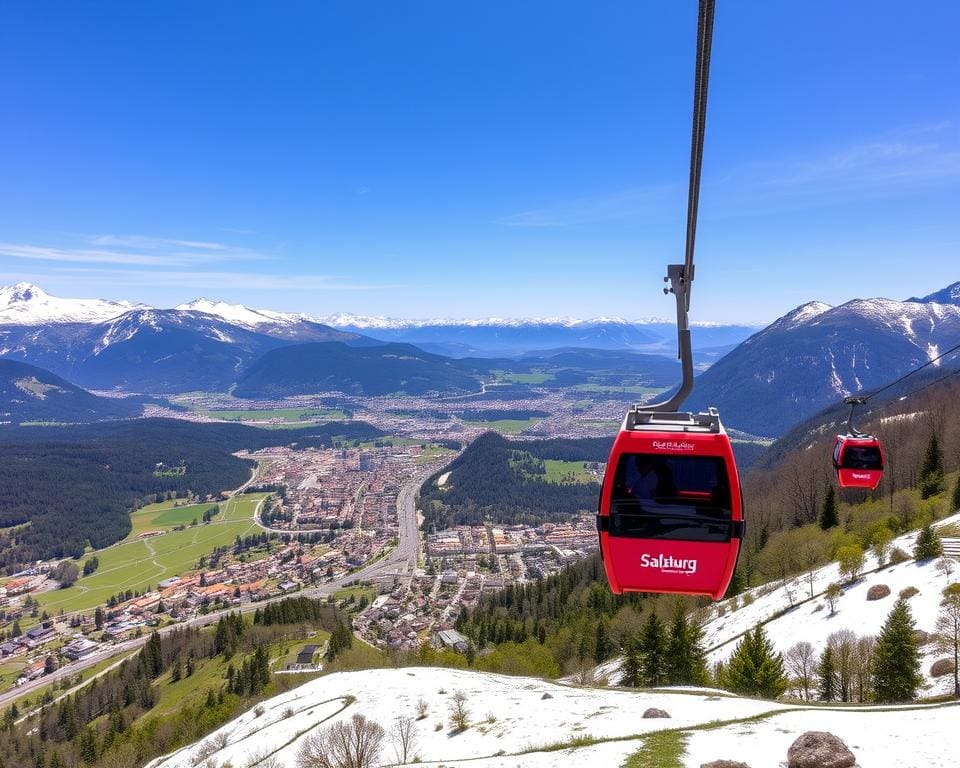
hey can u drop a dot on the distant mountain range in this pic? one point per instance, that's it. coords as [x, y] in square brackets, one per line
[775, 378]
[27, 305]
[816, 354]
[28, 394]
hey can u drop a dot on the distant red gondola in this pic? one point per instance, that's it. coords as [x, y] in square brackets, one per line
[858, 460]
[671, 514]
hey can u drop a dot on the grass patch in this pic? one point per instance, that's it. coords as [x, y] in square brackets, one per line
[505, 426]
[137, 564]
[356, 592]
[296, 416]
[534, 377]
[659, 750]
[566, 472]
[165, 515]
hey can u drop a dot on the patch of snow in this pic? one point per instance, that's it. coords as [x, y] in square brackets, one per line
[520, 718]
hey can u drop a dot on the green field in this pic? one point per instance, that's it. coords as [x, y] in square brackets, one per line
[506, 426]
[567, 472]
[139, 563]
[432, 452]
[508, 377]
[296, 416]
[164, 516]
[631, 389]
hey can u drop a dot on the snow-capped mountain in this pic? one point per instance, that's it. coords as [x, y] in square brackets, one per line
[26, 304]
[815, 355]
[948, 295]
[238, 314]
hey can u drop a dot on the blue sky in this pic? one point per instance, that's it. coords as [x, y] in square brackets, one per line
[431, 159]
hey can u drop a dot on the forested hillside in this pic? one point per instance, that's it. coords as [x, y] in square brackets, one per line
[508, 482]
[69, 486]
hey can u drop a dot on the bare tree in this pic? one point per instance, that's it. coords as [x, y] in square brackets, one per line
[354, 743]
[422, 709]
[863, 666]
[945, 566]
[800, 661]
[833, 595]
[459, 714]
[947, 636]
[843, 642]
[880, 545]
[403, 736]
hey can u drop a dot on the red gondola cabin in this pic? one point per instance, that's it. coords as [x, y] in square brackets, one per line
[858, 460]
[671, 513]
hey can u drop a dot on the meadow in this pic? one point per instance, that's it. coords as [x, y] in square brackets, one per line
[136, 564]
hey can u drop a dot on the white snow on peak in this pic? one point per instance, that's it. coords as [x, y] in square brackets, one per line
[380, 322]
[27, 304]
[238, 314]
[802, 314]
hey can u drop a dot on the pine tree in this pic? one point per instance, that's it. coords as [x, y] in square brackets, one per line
[896, 666]
[601, 644]
[928, 544]
[88, 746]
[828, 513]
[755, 669]
[632, 676]
[931, 471]
[653, 652]
[826, 672]
[955, 501]
[686, 659]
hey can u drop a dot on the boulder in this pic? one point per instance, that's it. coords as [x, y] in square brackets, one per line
[878, 592]
[546, 696]
[941, 667]
[819, 749]
[654, 712]
[724, 764]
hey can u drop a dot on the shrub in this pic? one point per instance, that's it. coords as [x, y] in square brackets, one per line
[907, 592]
[898, 556]
[356, 742]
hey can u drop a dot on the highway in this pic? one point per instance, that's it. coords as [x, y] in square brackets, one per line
[399, 563]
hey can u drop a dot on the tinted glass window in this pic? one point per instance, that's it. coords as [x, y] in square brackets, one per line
[671, 497]
[862, 457]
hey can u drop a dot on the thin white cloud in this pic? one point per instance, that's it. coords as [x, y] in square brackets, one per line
[143, 241]
[212, 281]
[626, 204]
[132, 250]
[86, 255]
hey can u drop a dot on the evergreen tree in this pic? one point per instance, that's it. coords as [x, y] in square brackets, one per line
[632, 676]
[931, 471]
[686, 659]
[98, 618]
[601, 644]
[826, 672]
[88, 746]
[955, 501]
[896, 667]
[828, 513]
[755, 669]
[928, 544]
[653, 652]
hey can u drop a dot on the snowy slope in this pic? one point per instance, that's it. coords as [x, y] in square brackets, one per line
[811, 620]
[26, 304]
[512, 724]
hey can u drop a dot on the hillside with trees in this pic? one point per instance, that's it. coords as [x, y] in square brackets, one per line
[63, 488]
[505, 481]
